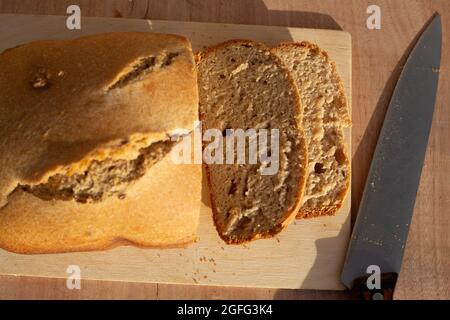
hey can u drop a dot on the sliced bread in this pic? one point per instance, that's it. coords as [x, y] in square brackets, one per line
[325, 115]
[242, 85]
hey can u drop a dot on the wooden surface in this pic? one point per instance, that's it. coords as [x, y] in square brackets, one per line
[308, 255]
[377, 59]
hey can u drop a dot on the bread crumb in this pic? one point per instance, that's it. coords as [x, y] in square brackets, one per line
[241, 67]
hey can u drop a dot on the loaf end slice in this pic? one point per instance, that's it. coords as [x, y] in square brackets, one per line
[326, 114]
[242, 85]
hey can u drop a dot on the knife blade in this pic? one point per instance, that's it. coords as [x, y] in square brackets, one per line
[379, 236]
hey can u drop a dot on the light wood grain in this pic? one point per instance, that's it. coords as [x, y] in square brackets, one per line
[377, 58]
[308, 255]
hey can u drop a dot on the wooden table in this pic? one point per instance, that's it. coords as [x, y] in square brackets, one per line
[378, 56]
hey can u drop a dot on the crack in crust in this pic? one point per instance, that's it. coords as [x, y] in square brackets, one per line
[102, 179]
[142, 67]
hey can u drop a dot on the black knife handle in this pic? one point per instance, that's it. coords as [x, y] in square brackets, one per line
[386, 292]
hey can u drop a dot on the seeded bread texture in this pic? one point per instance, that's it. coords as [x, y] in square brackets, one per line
[84, 124]
[244, 86]
[325, 116]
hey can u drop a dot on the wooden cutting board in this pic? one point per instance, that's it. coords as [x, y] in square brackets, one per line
[309, 254]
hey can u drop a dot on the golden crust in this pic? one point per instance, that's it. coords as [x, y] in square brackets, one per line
[61, 105]
[77, 117]
[291, 212]
[31, 225]
[98, 246]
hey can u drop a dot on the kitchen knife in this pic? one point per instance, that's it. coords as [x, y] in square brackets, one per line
[379, 236]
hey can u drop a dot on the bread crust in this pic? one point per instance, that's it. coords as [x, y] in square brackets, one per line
[30, 225]
[98, 246]
[346, 122]
[60, 118]
[290, 214]
[62, 108]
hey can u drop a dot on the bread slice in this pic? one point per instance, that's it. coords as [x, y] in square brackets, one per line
[86, 132]
[325, 115]
[244, 86]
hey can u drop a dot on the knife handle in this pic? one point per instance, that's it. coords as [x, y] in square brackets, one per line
[386, 292]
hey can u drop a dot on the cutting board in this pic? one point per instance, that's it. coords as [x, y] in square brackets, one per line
[309, 254]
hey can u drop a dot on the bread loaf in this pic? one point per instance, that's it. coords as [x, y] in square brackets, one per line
[86, 128]
[325, 115]
[244, 86]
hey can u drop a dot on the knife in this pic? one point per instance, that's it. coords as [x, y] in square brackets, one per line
[378, 240]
